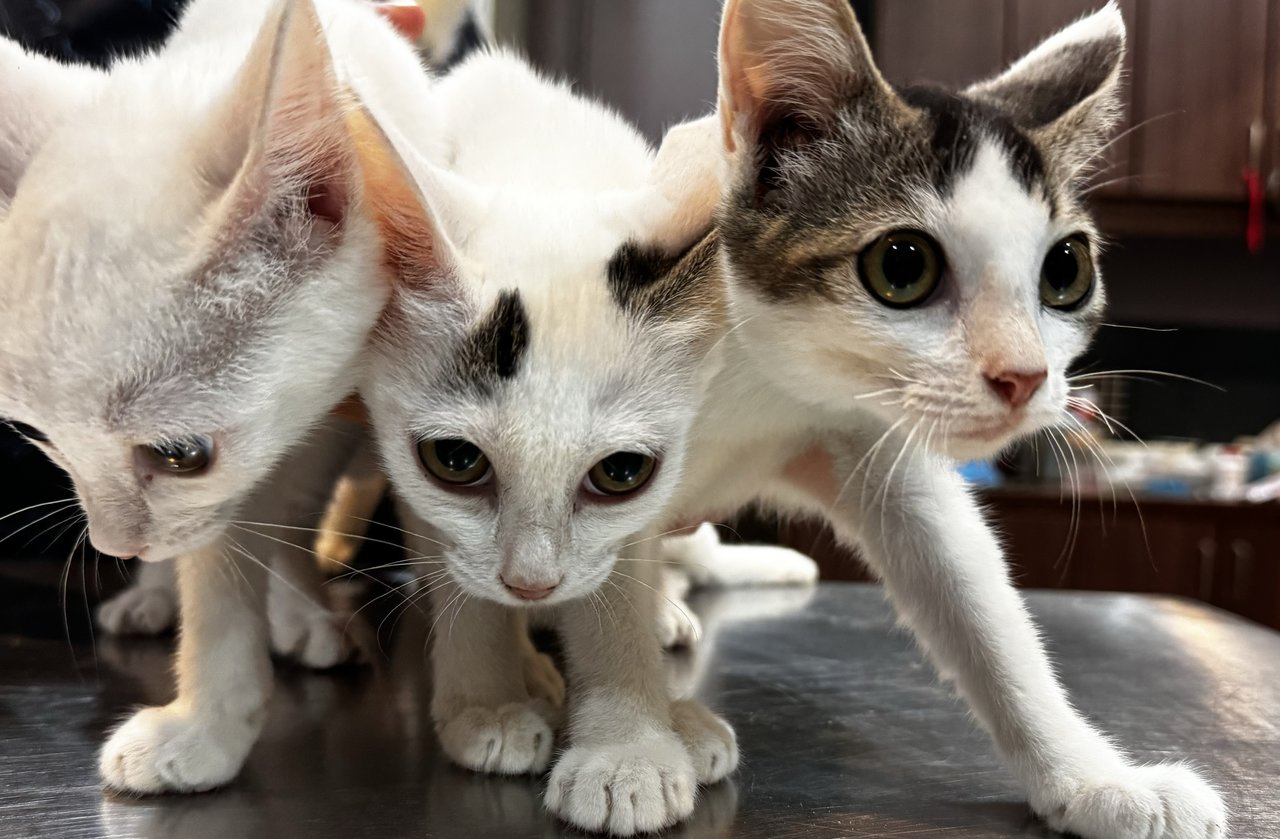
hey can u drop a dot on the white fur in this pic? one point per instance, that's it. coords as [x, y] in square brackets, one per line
[544, 218]
[197, 293]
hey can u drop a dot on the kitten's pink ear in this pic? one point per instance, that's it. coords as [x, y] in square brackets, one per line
[282, 134]
[1067, 91]
[35, 93]
[790, 63]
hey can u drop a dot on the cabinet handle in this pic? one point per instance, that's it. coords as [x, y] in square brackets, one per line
[1242, 582]
[1208, 551]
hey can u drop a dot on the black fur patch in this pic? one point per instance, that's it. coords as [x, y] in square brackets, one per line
[496, 346]
[960, 125]
[647, 281]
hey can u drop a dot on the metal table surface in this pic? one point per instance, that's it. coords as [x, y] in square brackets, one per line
[844, 731]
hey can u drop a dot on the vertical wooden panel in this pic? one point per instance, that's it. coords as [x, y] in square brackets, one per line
[1200, 72]
[947, 42]
[1031, 21]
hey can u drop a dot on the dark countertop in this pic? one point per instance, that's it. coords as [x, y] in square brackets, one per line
[843, 730]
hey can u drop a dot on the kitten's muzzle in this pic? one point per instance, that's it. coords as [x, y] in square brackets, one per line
[528, 590]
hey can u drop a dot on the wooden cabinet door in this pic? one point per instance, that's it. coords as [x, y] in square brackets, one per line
[1030, 22]
[1199, 86]
[948, 42]
[1247, 581]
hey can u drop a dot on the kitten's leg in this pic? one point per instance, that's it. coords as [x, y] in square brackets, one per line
[148, 606]
[710, 563]
[356, 497]
[303, 626]
[200, 740]
[627, 769]
[944, 571]
[496, 700]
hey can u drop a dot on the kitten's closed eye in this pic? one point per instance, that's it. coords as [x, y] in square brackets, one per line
[186, 456]
[35, 435]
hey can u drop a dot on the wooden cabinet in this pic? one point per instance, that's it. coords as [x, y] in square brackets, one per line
[1200, 86]
[947, 42]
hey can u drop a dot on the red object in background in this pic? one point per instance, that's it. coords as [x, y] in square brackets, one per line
[409, 20]
[1256, 226]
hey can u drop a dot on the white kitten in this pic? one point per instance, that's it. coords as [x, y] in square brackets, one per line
[185, 298]
[533, 402]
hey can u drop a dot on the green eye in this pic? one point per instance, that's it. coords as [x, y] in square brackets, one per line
[456, 462]
[1066, 278]
[621, 473]
[902, 268]
[183, 456]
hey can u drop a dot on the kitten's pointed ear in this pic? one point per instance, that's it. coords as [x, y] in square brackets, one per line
[1067, 91]
[790, 63]
[282, 134]
[35, 93]
[687, 174]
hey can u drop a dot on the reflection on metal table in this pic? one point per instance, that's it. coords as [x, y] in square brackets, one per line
[843, 728]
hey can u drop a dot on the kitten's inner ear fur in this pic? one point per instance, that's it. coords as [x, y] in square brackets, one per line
[1066, 92]
[790, 65]
[282, 133]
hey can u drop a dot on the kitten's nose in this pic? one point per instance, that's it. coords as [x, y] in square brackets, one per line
[528, 590]
[120, 550]
[1016, 387]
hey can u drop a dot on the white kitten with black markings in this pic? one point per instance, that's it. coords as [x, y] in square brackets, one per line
[532, 400]
[910, 273]
[185, 299]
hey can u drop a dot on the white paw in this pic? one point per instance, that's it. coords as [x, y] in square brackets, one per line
[515, 739]
[311, 635]
[678, 627]
[164, 750]
[139, 611]
[625, 789]
[1165, 801]
[712, 745]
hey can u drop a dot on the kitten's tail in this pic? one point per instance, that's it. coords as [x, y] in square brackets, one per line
[707, 563]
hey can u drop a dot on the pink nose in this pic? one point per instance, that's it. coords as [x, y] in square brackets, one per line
[526, 590]
[1016, 387]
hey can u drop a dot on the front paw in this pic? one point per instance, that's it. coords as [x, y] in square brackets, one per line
[712, 745]
[139, 611]
[1164, 801]
[514, 739]
[678, 627]
[624, 789]
[166, 750]
[311, 635]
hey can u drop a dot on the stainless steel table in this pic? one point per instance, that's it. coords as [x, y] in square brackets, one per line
[843, 729]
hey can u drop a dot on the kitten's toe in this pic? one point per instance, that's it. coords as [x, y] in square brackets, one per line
[139, 611]
[314, 637]
[514, 739]
[678, 627]
[167, 750]
[625, 789]
[712, 744]
[1164, 801]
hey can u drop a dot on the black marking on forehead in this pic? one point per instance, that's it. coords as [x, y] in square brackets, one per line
[959, 127]
[494, 349]
[650, 281]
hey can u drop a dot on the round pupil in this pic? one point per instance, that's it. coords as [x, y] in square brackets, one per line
[623, 468]
[457, 455]
[1061, 266]
[904, 263]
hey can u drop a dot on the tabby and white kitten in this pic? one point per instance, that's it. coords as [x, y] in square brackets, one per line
[532, 400]
[910, 273]
[185, 298]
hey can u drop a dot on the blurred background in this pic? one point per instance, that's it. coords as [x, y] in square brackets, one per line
[1170, 487]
